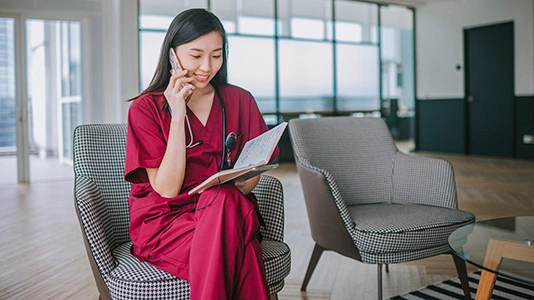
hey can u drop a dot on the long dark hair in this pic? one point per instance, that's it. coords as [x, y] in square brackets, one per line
[187, 26]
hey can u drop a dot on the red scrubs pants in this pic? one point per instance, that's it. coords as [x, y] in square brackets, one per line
[221, 241]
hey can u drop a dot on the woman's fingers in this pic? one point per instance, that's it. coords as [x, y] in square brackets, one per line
[179, 79]
[240, 184]
[179, 87]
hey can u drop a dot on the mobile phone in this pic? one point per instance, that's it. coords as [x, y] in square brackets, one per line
[175, 62]
[177, 66]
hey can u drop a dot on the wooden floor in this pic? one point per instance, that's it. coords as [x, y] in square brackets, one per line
[42, 254]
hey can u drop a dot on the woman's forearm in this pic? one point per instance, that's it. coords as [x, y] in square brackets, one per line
[168, 178]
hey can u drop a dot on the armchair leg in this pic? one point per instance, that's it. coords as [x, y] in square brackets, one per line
[462, 274]
[379, 275]
[317, 251]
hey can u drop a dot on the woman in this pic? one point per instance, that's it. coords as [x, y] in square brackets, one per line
[174, 142]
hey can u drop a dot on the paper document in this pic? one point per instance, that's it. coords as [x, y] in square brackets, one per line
[252, 160]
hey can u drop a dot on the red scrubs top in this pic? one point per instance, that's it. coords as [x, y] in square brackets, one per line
[148, 130]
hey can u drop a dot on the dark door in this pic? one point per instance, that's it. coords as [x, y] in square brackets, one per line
[489, 89]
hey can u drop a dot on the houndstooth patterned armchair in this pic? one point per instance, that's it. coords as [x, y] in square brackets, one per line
[101, 201]
[370, 202]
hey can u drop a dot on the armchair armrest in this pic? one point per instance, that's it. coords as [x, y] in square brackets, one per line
[91, 213]
[331, 224]
[270, 195]
[424, 180]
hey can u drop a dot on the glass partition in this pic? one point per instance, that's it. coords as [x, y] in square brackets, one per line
[155, 16]
[305, 76]
[168, 7]
[8, 132]
[307, 19]
[247, 17]
[357, 78]
[149, 48]
[54, 86]
[70, 86]
[318, 57]
[397, 46]
[356, 22]
[251, 66]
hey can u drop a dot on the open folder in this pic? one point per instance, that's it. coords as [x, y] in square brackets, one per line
[251, 162]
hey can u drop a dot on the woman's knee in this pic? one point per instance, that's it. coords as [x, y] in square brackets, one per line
[225, 195]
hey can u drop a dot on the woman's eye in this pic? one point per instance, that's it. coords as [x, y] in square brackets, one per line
[195, 56]
[216, 56]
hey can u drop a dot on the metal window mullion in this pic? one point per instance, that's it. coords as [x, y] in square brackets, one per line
[379, 42]
[416, 105]
[59, 87]
[334, 61]
[276, 63]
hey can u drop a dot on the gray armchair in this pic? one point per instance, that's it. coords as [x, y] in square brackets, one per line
[101, 201]
[370, 202]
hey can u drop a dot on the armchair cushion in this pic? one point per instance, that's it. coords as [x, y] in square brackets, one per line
[131, 278]
[387, 229]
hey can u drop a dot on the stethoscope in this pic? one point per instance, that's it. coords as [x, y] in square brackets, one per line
[228, 141]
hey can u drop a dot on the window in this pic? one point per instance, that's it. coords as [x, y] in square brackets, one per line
[256, 26]
[54, 85]
[251, 66]
[150, 45]
[309, 19]
[308, 56]
[356, 21]
[154, 19]
[245, 17]
[306, 83]
[8, 136]
[398, 75]
[308, 28]
[357, 78]
[349, 32]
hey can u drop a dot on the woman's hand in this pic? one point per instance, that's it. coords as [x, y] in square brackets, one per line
[179, 91]
[246, 186]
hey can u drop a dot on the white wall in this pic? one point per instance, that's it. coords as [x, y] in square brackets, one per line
[120, 60]
[439, 33]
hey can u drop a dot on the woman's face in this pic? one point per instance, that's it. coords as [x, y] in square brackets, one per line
[202, 58]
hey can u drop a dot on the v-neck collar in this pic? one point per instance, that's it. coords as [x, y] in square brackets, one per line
[212, 116]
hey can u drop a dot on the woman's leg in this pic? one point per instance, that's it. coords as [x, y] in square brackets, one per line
[225, 257]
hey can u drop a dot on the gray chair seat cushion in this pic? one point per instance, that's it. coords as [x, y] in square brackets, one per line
[397, 228]
[131, 275]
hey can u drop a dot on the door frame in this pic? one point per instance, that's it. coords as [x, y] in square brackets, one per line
[21, 83]
[21, 106]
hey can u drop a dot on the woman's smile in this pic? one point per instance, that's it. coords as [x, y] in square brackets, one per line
[202, 78]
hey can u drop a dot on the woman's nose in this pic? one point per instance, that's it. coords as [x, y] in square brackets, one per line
[206, 64]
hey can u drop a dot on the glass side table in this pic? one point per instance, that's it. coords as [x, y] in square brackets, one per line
[503, 247]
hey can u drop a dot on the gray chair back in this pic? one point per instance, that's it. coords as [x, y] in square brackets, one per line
[362, 170]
